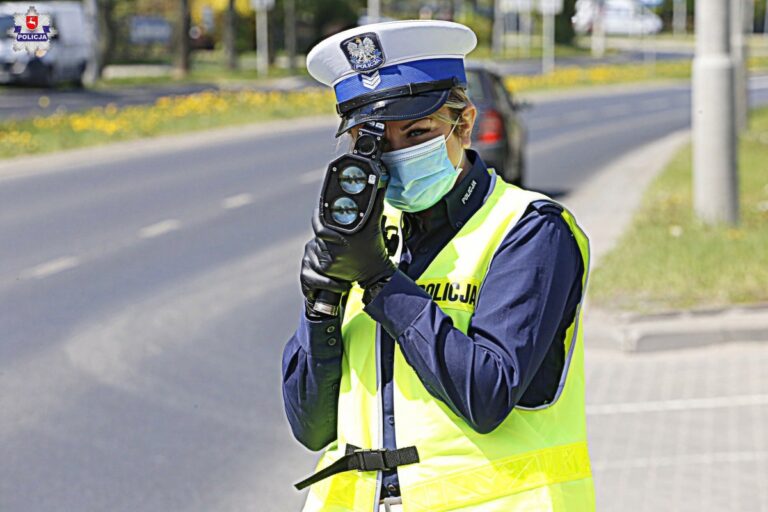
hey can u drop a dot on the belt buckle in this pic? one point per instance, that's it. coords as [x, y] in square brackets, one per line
[371, 460]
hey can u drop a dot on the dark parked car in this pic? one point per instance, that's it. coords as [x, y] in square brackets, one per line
[499, 135]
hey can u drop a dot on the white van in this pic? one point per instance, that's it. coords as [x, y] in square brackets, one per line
[620, 17]
[70, 47]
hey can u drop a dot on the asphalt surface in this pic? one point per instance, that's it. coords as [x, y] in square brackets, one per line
[144, 305]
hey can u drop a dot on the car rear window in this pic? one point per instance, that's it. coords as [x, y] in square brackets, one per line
[502, 92]
[475, 86]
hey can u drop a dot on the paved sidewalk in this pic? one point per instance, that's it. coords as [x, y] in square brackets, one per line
[606, 204]
[679, 431]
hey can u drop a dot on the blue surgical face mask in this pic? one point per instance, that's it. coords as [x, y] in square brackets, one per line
[419, 176]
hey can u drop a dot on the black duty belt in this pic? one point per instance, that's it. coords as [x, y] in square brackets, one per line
[364, 460]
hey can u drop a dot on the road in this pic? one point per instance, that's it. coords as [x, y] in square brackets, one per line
[144, 304]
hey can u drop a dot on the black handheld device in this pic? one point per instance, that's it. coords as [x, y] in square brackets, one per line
[352, 183]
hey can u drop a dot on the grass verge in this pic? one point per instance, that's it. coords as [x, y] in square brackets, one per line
[669, 260]
[572, 77]
[168, 115]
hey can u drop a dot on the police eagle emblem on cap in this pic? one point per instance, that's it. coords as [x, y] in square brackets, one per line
[363, 52]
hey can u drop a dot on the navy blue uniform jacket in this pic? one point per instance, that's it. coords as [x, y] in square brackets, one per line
[512, 353]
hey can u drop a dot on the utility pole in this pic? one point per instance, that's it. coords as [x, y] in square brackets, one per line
[262, 7]
[680, 17]
[522, 10]
[373, 11]
[739, 55]
[262, 42]
[549, 8]
[597, 41]
[497, 29]
[527, 21]
[548, 42]
[714, 131]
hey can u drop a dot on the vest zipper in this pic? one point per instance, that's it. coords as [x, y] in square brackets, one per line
[380, 422]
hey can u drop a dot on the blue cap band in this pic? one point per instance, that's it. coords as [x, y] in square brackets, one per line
[427, 70]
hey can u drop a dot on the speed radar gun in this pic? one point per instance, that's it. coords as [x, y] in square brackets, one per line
[352, 183]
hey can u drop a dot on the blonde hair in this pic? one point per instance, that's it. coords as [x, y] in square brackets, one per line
[457, 102]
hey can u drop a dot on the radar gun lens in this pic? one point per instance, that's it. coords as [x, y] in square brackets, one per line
[344, 211]
[352, 180]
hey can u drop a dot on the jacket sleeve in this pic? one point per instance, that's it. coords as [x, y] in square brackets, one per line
[311, 376]
[531, 290]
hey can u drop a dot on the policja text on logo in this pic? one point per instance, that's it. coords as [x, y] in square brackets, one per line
[32, 32]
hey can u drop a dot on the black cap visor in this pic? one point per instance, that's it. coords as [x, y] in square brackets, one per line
[394, 109]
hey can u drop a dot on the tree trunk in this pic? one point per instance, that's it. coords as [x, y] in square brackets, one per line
[108, 28]
[182, 57]
[290, 33]
[229, 36]
[564, 33]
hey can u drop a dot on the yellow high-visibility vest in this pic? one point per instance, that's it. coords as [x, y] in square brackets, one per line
[536, 460]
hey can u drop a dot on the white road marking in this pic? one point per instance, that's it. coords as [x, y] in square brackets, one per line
[50, 267]
[237, 201]
[685, 404]
[159, 228]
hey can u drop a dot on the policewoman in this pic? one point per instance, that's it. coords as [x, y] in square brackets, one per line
[452, 376]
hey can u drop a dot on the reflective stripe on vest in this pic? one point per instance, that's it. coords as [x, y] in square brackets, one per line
[535, 460]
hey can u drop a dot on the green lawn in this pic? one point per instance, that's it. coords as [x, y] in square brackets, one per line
[669, 260]
[168, 115]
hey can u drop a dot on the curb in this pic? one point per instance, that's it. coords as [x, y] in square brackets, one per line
[677, 330]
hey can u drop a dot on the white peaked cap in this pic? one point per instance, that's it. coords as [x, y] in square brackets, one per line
[401, 41]
[393, 70]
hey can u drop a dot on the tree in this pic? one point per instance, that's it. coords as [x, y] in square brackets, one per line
[229, 35]
[182, 43]
[564, 32]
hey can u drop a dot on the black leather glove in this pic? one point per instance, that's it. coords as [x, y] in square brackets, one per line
[361, 257]
[313, 280]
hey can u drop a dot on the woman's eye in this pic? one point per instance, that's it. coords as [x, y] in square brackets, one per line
[416, 133]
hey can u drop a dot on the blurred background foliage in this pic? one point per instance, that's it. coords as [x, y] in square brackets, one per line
[313, 20]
